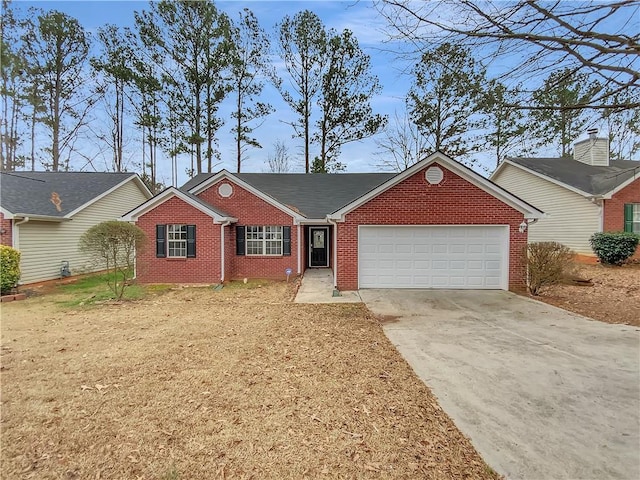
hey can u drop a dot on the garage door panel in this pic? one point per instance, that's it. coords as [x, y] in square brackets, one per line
[433, 257]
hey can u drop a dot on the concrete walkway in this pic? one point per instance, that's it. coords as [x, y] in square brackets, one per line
[317, 287]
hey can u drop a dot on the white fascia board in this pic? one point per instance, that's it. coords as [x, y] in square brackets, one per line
[133, 177]
[40, 218]
[472, 177]
[165, 195]
[314, 221]
[7, 214]
[201, 187]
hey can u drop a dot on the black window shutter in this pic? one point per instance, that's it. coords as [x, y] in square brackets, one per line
[240, 240]
[628, 217]
[161, 244]
[191, 241]
[286, 240]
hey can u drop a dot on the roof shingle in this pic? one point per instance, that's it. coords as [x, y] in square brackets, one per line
[590, 179]
[32, 193]
[313, 195]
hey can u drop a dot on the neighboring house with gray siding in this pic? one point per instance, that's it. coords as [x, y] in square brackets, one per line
[44, 214]
[580, 196]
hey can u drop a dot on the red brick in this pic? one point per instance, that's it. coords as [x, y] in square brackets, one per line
[455, 201]
[6, 229]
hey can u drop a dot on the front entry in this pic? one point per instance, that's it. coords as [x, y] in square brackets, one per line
[318, 246]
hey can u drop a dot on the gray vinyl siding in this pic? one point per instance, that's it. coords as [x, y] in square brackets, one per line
[571, 218]
[45, 245]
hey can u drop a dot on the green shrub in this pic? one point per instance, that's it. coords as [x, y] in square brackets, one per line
[614, 248]
[548, 263]
[9, 268]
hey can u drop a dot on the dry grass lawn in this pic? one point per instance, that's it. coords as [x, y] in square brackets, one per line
[197, 384]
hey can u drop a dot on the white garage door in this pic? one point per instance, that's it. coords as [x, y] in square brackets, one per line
[433, 256]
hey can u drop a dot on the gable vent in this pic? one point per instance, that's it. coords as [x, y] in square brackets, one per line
[434, 175]
[225, 190]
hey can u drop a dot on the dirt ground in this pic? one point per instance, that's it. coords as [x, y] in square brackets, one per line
[613, 297]
[196, 384]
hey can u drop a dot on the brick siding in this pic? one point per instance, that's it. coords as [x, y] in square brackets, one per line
[613, 220]
[252, 210]
[6, 227]
[413, 201]
[205, 268]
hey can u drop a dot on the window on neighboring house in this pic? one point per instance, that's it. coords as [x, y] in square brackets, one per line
[269, 240]
[632, 217]
[176, 241]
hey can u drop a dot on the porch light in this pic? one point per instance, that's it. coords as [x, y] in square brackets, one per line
[523, 227]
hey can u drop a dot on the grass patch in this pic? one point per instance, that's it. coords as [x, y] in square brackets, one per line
[93, 289]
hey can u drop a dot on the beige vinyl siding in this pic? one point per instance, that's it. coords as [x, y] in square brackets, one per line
[45, 245]
[571, 218]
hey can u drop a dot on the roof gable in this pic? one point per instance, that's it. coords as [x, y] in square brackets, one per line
[464, 172]
[217, 215]
[301, 195]
[58, 195]
[581, 178]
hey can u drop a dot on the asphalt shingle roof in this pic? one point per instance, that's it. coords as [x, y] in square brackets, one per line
[31, 192]
[312, 195]
[587, 178]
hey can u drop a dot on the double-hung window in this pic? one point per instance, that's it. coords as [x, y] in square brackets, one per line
[264, 240]
[177, 240]
[632, 217]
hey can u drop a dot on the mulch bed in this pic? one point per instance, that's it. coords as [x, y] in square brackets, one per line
[612, 294]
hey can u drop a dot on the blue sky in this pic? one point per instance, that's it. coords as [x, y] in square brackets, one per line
[357, 15]
[360, 17]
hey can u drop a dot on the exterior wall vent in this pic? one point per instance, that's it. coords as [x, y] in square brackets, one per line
[225, 190]
[434, 175]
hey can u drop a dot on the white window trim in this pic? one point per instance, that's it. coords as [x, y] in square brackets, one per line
[635, 212]
[264, 240]
[170, 241]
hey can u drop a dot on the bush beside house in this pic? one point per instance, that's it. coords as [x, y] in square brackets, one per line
[9, 268]
[614, 248]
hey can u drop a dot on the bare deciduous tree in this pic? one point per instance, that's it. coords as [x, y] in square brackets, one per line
[279, 161]
[597, 38]
[401, 145]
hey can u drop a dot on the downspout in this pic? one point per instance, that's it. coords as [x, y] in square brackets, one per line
[335, 252]
[599, 201]
[15, 234]
[299, 250]
[222, 225]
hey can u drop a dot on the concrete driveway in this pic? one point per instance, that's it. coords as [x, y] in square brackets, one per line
[541, 392]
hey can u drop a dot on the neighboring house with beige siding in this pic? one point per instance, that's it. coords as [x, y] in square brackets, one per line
[44, 214]
[580, 196]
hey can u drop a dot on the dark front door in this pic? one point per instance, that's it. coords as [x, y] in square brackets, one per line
[318, 246]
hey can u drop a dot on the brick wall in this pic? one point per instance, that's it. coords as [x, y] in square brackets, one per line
[205, 268]
[413, 201]
[252, 210]
[6, 226]
[613, 220]
[614, 207]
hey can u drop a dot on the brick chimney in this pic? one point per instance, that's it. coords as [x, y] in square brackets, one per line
[592, 151]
